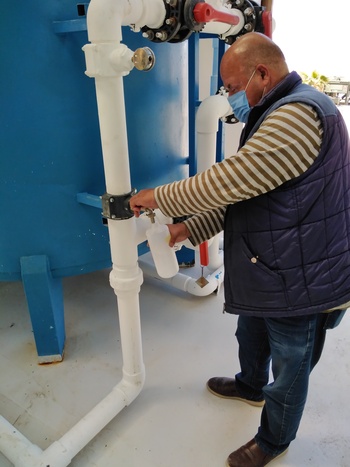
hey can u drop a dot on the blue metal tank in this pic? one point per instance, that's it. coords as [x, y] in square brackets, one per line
[51, 169]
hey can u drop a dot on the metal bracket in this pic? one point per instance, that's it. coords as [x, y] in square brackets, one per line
[229, 119]
[116, 207]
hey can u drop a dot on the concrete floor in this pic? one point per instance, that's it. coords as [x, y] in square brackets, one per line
[175, 421]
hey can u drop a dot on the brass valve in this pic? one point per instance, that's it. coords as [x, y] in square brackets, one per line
[144, 59]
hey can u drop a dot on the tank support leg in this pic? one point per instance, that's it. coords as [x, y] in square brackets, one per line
[45, 302]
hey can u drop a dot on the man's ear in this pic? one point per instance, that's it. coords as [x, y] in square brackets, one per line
[262, 71]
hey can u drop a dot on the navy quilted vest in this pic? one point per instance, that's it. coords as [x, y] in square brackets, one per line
[287, 252]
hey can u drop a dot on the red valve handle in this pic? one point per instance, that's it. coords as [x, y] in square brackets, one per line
[204, 13]
[204, 253]
[267, 23]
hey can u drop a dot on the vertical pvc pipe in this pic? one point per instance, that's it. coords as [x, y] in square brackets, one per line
[111, 113]
[207, 125]
[125, 277]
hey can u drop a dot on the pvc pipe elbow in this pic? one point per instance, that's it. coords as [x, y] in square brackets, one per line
[210, 111]
[104, 20]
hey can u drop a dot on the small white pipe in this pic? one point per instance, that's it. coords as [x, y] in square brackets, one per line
[22, 453]
[208, 114]
[186, 283]
[206, 145]
[61, 452]
[216, 256]
[16, 447]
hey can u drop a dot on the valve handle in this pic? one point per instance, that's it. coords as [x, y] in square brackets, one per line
[204, 13]
[267, 23]
[204, 253]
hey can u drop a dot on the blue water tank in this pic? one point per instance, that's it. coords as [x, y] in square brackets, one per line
[50, 142]
[50, 150]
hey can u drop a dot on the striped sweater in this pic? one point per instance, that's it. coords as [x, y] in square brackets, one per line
[284, 147]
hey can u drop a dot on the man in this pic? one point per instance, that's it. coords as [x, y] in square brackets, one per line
[283, 202]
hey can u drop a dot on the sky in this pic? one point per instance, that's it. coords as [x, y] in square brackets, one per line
[314, 35]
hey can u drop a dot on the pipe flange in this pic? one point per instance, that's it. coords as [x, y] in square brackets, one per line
[183, 34]
[171, 26]
[189, 19]
[250, 11]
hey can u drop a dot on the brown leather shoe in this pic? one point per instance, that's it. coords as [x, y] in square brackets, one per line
[226, 388]
[250, 455]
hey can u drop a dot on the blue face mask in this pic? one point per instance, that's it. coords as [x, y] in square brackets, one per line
[240, 104]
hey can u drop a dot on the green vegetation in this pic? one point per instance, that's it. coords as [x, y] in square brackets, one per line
[315, 79]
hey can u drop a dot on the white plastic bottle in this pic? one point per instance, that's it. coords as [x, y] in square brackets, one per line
[164, 256]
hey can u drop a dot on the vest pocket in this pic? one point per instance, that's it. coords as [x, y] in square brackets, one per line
[249, 282]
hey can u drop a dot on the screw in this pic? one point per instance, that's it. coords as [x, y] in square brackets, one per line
[148, 34]
[248, 11]
[111, 200]
[162, 35]
[170, 21]
[248, 27]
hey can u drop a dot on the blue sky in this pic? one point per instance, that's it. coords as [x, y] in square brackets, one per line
[314, 35]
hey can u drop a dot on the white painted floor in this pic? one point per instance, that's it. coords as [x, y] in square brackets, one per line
[175, 421]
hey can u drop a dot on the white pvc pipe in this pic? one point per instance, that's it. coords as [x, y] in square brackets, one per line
[16, 447]
[210, 111]
[208, 114]
[216, 256]
[186, 283]
[22, 453]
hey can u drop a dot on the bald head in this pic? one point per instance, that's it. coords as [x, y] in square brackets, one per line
[253, 52]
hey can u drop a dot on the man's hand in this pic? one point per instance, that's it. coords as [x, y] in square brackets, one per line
[178, 233]
[143, 200]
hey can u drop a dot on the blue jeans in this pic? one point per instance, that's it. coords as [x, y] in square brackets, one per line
[293, 346]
